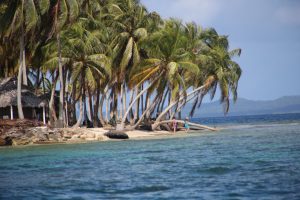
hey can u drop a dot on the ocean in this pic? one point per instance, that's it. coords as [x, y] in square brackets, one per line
[252, 157]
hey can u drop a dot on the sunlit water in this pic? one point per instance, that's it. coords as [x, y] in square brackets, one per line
[248, 161]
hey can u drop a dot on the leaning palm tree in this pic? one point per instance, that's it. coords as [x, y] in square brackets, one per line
[170, 68]
[130, 24]
[218, 68]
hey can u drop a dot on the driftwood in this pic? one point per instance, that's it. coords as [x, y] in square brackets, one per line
[189, 123]
[116, 135]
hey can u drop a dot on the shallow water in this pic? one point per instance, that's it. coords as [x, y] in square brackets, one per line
[248, 162]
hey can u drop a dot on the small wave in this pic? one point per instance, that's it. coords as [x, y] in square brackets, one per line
[261, 162]
[139, 189]
[148, 152]
[153, 188]
[248, 126]
[234, 194]
[215, 170]
[238, 126]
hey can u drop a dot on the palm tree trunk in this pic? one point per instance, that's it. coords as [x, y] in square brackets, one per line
[85, 120]
[156, 123]
[122, 126]
[164, 100]
[51, 102]
[170, 102]
[124, 99]
[43, 82]
[6, 69]
[19, 86]
[24, 63]
[131, 112]
[147, 106]
[66, 94]
[145, 113]
[37, 81]
[73, 103]
[90, 105]
[80, 114]
[121, 107]
[179, 114]
[96, 106]
[142, 99]
[19, 93]
[102, 121]
[159, 103]
[107, 107]
[83, 86]
[61, 80]
[115, 104]
[137, 106]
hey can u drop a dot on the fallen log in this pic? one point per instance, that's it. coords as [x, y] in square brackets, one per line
[189, 123]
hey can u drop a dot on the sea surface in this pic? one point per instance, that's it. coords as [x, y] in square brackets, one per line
[253, 157]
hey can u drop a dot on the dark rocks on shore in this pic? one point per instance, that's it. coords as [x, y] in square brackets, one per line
[15, 132]
[2, 142]
[116, 135]
[24, 123]
[25, 132]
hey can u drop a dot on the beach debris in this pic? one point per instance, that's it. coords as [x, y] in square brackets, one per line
[26, 132]
[116, 135]
[2, 142]
[193, 125]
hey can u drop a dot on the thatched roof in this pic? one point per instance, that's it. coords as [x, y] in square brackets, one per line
[8, 95]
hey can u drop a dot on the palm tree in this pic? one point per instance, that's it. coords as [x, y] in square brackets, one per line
[170, 63]
[130, 24]
[218, 69]
[64, 12]
[20, 18]
[97, 48]
[221, 66]
[83, 51]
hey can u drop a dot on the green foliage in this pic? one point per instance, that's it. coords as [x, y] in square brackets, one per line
[118, 42]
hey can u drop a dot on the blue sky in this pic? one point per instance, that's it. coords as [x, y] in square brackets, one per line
[268, 31]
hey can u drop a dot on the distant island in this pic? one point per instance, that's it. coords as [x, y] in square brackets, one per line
[286, 104]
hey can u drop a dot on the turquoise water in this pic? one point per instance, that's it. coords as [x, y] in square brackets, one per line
[241, 162]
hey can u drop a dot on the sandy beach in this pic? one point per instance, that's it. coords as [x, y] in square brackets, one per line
[98, 134]
[21, 136]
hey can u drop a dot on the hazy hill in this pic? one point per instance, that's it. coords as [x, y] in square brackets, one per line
[287, 104]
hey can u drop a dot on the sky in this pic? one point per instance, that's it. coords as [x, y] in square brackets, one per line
[267, 31]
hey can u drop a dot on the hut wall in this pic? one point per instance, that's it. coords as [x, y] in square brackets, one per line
[5, 112]
[28, 113]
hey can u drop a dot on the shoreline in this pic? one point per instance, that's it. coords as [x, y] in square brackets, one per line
[58, 136]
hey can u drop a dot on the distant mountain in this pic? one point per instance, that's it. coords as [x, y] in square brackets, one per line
[287, 104]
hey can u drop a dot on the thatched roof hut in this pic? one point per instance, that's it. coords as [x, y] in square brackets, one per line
[34, 106]
[8, 95]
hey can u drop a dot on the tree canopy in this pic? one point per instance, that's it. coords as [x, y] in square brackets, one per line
[102, 51]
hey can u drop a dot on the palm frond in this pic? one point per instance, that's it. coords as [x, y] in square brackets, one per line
[44, 6]
[126, 55]
[31, 16]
